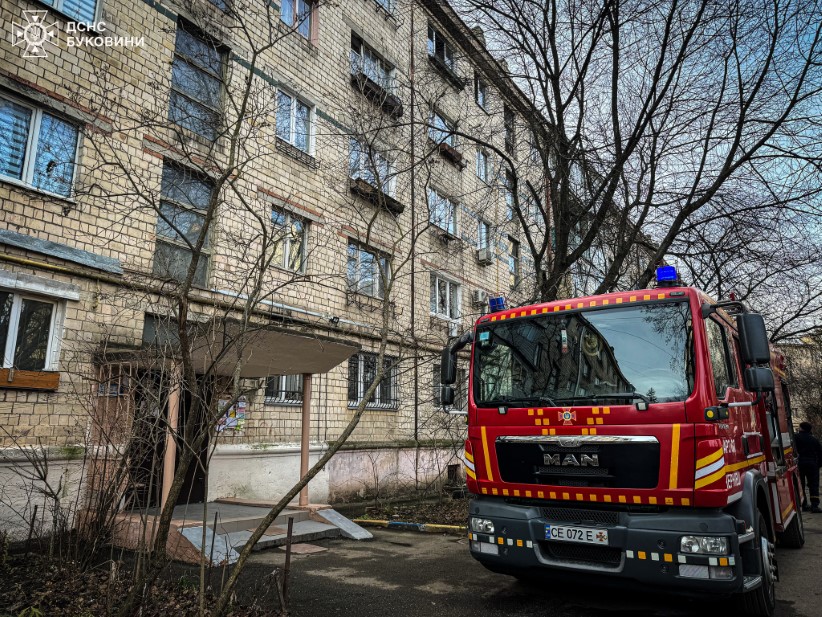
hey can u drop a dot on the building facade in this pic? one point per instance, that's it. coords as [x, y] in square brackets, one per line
[346, 160]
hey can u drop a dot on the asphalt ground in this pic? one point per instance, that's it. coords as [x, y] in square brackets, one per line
[412, 574]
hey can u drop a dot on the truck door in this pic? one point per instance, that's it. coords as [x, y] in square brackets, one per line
[776, 415]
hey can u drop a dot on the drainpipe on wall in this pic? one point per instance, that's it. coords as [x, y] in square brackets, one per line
[306, 432]
[170, 458]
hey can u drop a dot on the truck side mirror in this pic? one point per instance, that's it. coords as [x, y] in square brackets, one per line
[758, 379]
[753, 339]
[446, 396]
[448, 367]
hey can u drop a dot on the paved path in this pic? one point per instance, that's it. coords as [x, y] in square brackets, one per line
[408, 574]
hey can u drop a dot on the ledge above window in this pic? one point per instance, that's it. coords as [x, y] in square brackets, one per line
[376, 196]
[390, 103]
[14, 379]
[446, 71]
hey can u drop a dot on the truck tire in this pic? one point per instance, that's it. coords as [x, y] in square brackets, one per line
[761, 602]
[794, 535]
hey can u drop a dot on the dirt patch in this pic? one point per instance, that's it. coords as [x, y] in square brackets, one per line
[34, 586]
[442, 512]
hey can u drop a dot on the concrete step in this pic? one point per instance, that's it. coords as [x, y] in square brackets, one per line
[226, 546]
[245, 522]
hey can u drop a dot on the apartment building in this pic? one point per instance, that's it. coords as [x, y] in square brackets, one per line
[350, 154]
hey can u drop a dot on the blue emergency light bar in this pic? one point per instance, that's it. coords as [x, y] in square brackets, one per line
[666, 274]
[496, 304]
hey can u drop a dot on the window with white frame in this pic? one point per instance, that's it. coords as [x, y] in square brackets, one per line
[184, 197]
[284, 389]
[196, 84]
[362, 371]
[441, 131]
[445, 297]
[480, 92]
[37, 148]
[368, 62]
[368, 271]
[27, 331]
[298, 14]
[289, 240]
[484, 235]
[513, 262]
[482, 165]
[439, 47]
[84, 11]
[294, 119]
[368, 163]
[442, 212]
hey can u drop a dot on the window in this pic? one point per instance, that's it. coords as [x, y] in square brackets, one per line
[721, 361]
[294, 121]
[82, 10]
[480, 92]
[482, 165]
[196, 84]
[26, 331]
[362, 370]
[289, 240]
[298, 14]
[220, 4]
[371, 165]
[368, 271]
[388, 5]
[445, 298]
[366, 61]
[441, 130]
[184, 195]
[484, 235]
[37, 148]
[439, 48]
[513, 262]
[284, 389]
[509, 196]
[509, 121]
[442, 212]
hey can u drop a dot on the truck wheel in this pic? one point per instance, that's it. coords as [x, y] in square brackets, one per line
[794, 535]
[761, 602]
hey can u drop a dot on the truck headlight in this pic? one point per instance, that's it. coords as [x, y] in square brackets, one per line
[482, 525]
[708, 545]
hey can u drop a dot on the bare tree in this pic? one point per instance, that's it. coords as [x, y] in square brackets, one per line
[650, 117]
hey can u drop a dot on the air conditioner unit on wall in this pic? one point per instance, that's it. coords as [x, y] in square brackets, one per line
[485, 256]
[479, 297]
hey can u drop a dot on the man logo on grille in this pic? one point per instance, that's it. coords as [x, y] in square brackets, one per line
[34, 34]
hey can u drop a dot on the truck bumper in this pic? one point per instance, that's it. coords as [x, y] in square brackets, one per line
[642, 547]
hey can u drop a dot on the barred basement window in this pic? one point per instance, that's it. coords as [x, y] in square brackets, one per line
[362, 370]
[284, 390]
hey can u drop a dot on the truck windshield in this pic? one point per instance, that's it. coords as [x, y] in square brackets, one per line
[607, 355]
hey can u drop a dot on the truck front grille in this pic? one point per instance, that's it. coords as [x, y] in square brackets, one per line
[605, 556]
[581, 516]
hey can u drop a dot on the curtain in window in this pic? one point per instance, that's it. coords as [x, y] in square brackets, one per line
[14, 131]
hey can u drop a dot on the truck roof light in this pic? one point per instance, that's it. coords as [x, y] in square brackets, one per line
[496, 304]
[666, 274]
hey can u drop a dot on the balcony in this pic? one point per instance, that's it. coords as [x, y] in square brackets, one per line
[369, 192]
[447, 72]
[390, 103]
[451, 154]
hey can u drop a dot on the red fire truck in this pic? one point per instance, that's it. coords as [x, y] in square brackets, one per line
[643, 436]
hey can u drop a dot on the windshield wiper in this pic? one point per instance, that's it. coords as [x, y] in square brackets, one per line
[605, 396]
[506, 401]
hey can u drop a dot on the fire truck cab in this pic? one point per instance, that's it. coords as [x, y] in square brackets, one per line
[643, 436]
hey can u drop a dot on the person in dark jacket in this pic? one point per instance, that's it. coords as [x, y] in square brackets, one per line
[809, 452]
